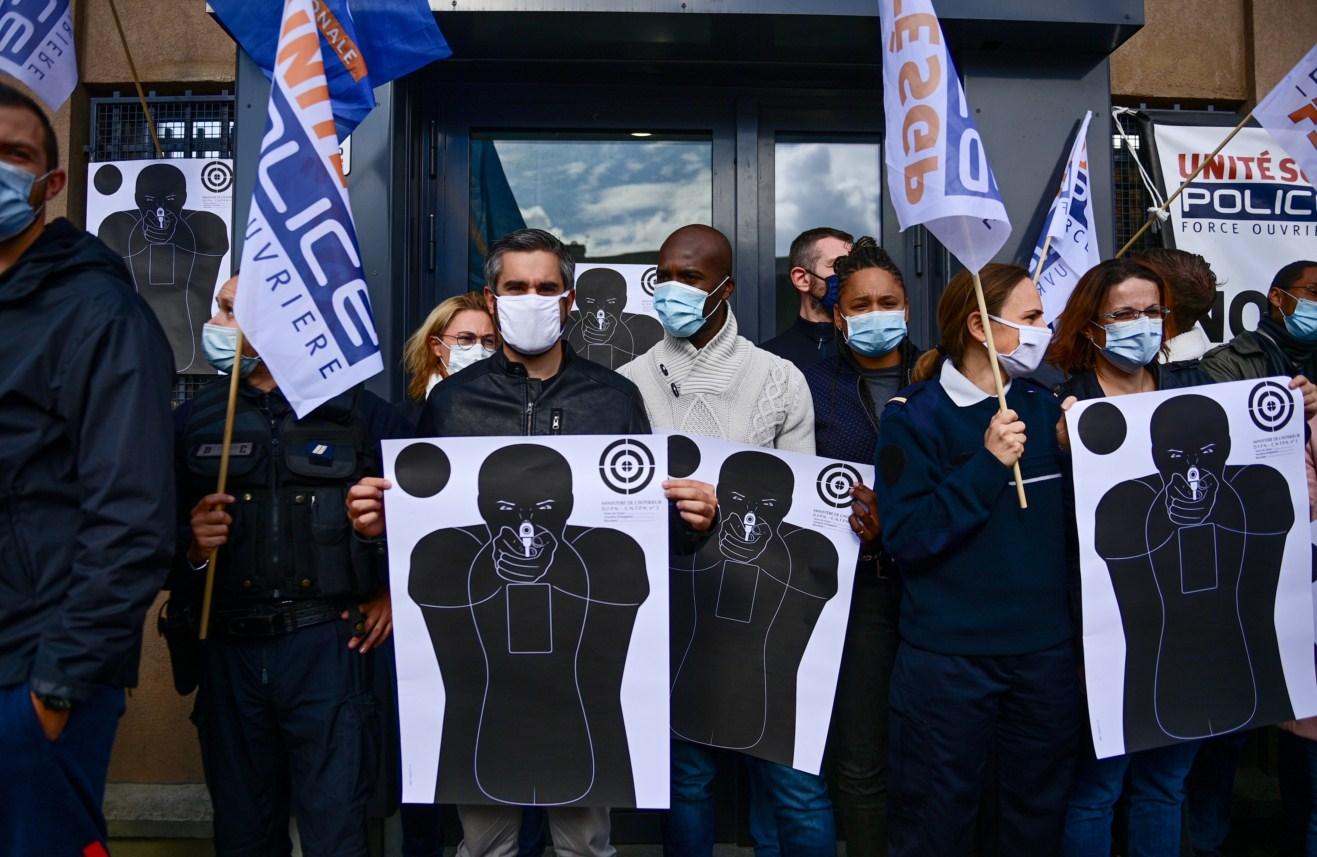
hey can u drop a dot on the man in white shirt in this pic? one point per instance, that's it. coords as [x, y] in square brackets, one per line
[704, 378]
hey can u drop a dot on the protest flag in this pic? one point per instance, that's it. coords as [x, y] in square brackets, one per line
[937, 166]
[37, 48]
[1289, 114]
[302, 298]
[1068, 245]
[367, 43]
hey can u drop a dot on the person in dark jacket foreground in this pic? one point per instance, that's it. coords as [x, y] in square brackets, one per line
[874, 360]
[986, 663]
[86, 498]
[1108, 340]
[536, 385]
[285, 710]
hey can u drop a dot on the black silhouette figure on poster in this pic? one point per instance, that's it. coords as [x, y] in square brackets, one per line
[531, 619]
[599, 330]
[172, 252]
[1194, 551]
[743, 610]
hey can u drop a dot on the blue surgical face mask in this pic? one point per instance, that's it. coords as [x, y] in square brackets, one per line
[833, 294]
[1133, 344]
[16, 211]
[220, 344]
[1302, 323]
[875, 333]
[680, 307]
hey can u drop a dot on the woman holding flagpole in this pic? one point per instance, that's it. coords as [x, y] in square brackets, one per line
[986, 664]
[1108, 339]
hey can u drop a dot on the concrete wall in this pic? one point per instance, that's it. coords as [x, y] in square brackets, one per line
[1221, 52]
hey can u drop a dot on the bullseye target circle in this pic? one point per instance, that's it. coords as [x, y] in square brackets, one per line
[626, 466]
[1270, 406]
[647, 280]
[835, 483]
[217, 176]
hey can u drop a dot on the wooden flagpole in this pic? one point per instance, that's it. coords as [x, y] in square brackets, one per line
[137, 81]
[234, 380]
[996, 377]
[1167, 204]
[1042, 261]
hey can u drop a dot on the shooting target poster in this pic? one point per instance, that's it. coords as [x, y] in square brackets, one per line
[759, 612]
[169, 220]
[1192, 513]
[530, 616]
[613, 321]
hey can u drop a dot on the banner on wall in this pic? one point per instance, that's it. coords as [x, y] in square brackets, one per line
[1251, 211]
[169, 221]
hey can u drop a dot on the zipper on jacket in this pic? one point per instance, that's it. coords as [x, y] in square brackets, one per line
[530, 408]
[275, 495]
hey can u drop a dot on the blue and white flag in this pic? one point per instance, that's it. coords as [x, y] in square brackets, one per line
[367, 43]
[1072, 230]
[937, 167]
[302, 297]
[36, 47]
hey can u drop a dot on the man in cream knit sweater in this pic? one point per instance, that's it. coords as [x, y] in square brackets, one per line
[705, 379]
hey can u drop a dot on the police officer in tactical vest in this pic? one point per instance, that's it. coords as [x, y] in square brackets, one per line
[285, 710]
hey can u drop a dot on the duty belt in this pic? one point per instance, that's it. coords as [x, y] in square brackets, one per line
[273, 620]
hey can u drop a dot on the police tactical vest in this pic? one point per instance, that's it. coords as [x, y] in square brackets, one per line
[290, 537]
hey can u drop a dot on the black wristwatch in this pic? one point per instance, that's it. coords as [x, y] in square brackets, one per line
[56, 703]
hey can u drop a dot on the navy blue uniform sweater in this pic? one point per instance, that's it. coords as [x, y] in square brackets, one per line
[980, 575]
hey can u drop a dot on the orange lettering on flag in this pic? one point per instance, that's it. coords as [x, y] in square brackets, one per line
[313, 95]
[304, 51]
[344, 47]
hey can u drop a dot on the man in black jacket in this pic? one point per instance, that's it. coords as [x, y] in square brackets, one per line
[285, 712]
[86, 498]
[811, 337]
[536, 385]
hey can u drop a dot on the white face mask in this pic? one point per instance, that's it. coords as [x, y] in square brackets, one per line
[531, 324]
[1028, 355]
[462, 356]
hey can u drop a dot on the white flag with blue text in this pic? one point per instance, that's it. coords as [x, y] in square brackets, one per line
[36, 47]
[937, 167]
[302, 298]
[1070, 225]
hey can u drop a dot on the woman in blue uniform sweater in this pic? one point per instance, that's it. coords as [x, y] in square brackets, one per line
[986, 666]
[1107, 340]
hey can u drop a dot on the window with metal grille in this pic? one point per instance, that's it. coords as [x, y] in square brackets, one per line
[1130, 198]
[189, 126]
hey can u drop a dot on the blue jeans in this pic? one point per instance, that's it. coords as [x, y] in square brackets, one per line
[799, 803]
[51, 791]
[1152, 782]
[1211, 791]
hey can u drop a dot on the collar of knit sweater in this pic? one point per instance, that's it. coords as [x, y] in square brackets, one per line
[709, 370]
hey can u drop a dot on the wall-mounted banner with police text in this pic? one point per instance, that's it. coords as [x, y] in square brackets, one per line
[1251, 211]
[302, 298]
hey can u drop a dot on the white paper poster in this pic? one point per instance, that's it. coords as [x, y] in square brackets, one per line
[169, 220]
[759, 612]
[1249, 213]
[613, 321]
[1191, 508]
[530, 608]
